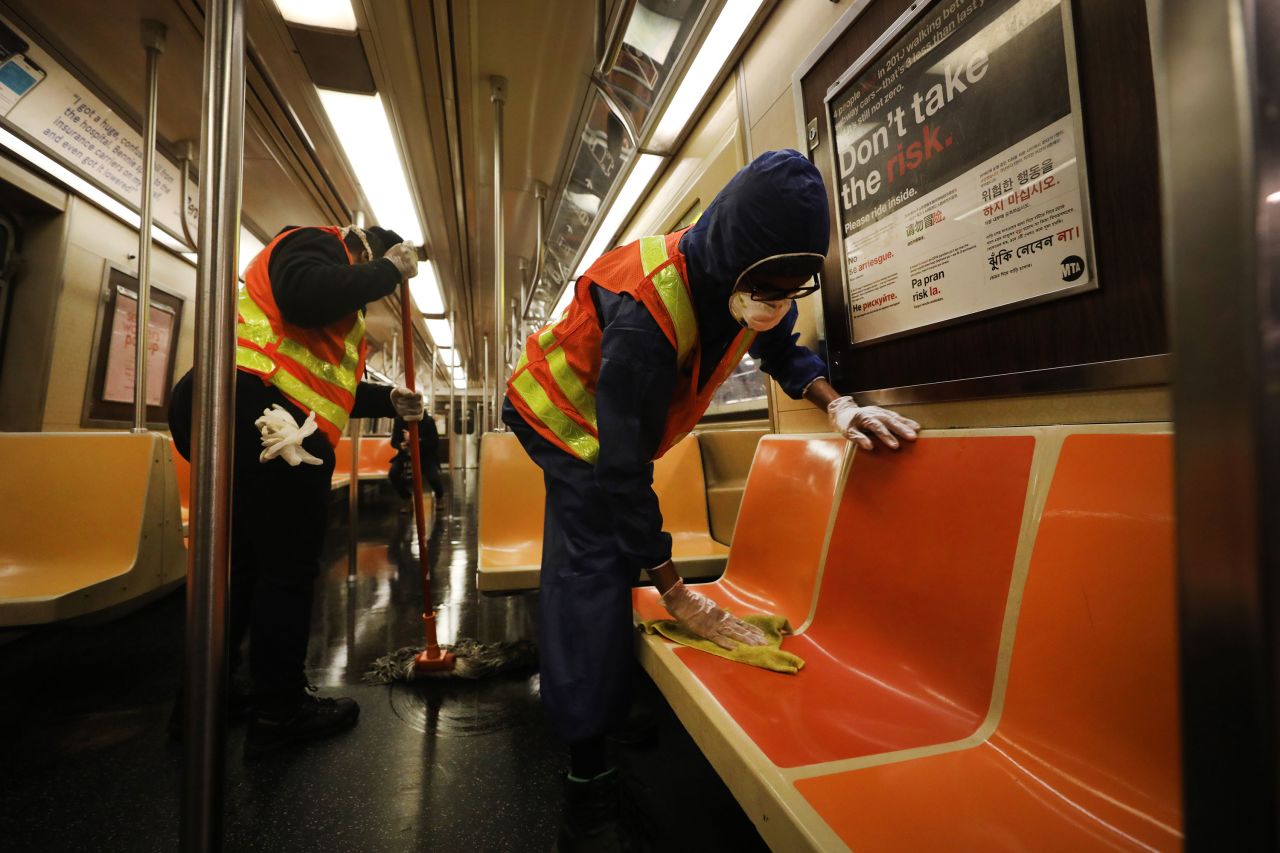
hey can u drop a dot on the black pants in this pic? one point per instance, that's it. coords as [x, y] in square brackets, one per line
[401, 476]
[278, 520]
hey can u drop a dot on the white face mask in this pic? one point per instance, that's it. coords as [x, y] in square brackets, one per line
[757, 316]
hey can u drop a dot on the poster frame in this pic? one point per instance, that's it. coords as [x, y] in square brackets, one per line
[98, 412]
[878, 48]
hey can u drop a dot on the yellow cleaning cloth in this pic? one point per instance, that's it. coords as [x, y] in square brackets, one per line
[769, 656]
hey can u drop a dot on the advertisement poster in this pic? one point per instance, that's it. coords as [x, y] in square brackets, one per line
[962, 185]
[66, 120]
[118, 383]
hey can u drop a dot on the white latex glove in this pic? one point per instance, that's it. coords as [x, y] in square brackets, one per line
[703, 617]
[281, 436]
[410, 405]
[405, 257]
[854, 422]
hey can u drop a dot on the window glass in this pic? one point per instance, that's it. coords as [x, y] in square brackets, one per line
[743, 394]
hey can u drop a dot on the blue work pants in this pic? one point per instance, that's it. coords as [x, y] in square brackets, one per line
[585, 635]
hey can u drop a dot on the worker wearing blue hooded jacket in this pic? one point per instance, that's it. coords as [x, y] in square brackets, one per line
[653, 329]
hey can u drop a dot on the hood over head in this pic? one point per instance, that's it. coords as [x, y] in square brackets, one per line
[776, 204]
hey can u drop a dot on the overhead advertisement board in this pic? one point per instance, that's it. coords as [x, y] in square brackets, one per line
[962, 187]
[48, 107]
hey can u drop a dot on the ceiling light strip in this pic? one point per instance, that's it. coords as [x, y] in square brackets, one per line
[732, 22]
[364, 132]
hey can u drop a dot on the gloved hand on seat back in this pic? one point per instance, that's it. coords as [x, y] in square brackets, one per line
[854, 422]
[703, 617]
[282, 437]
[409, 405]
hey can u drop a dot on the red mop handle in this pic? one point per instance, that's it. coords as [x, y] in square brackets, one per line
[415, 456]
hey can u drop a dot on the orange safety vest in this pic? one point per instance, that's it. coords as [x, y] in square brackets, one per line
[316, 369]
[553, 387]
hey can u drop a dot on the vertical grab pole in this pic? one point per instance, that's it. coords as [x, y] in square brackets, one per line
[453, 401]
[353, 501]
[1217, 77]
[221, 168]
[153, 33]
[353, 484]
[485, 424]
[432, 658]
[497, 94]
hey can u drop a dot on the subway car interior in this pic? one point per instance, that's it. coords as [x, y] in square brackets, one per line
[596, 425]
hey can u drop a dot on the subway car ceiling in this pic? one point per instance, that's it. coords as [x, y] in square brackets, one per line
[320, 77]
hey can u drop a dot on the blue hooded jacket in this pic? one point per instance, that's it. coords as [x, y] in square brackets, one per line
[774, 205]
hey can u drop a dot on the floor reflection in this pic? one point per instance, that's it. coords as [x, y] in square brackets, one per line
[443, 765]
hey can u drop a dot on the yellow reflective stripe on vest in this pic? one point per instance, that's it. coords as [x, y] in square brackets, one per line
[672, 291]
[567, 379]
[571, 386]
[254, 325]
[583, 444]
[344, 374]
[254, 360]
[308, 398]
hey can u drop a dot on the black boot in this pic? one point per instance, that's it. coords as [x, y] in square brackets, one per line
[589, 818]
[282, 723]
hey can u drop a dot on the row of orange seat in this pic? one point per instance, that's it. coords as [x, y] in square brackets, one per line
[511, 504]
[989, 628]
[58, 562]
[90, 524]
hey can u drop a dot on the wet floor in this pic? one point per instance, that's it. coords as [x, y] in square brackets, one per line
[85, 762]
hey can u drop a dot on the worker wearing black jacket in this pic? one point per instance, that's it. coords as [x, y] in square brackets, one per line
[400, 472]
[300, 356]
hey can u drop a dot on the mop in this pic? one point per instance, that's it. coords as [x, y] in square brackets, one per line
[465, 658]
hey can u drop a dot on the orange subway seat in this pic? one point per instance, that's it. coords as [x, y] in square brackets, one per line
[903, 645]
[511, 507]
[778, 539]
[342, 463]
[1086, 754]
[376, 453]
[119, 539]
[681, 487]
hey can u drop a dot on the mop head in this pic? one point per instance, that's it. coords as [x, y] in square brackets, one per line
[475, 660]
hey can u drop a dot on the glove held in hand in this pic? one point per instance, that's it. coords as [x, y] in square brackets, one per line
[282, 437]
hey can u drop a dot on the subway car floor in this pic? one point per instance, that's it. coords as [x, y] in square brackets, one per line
[441, 765]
